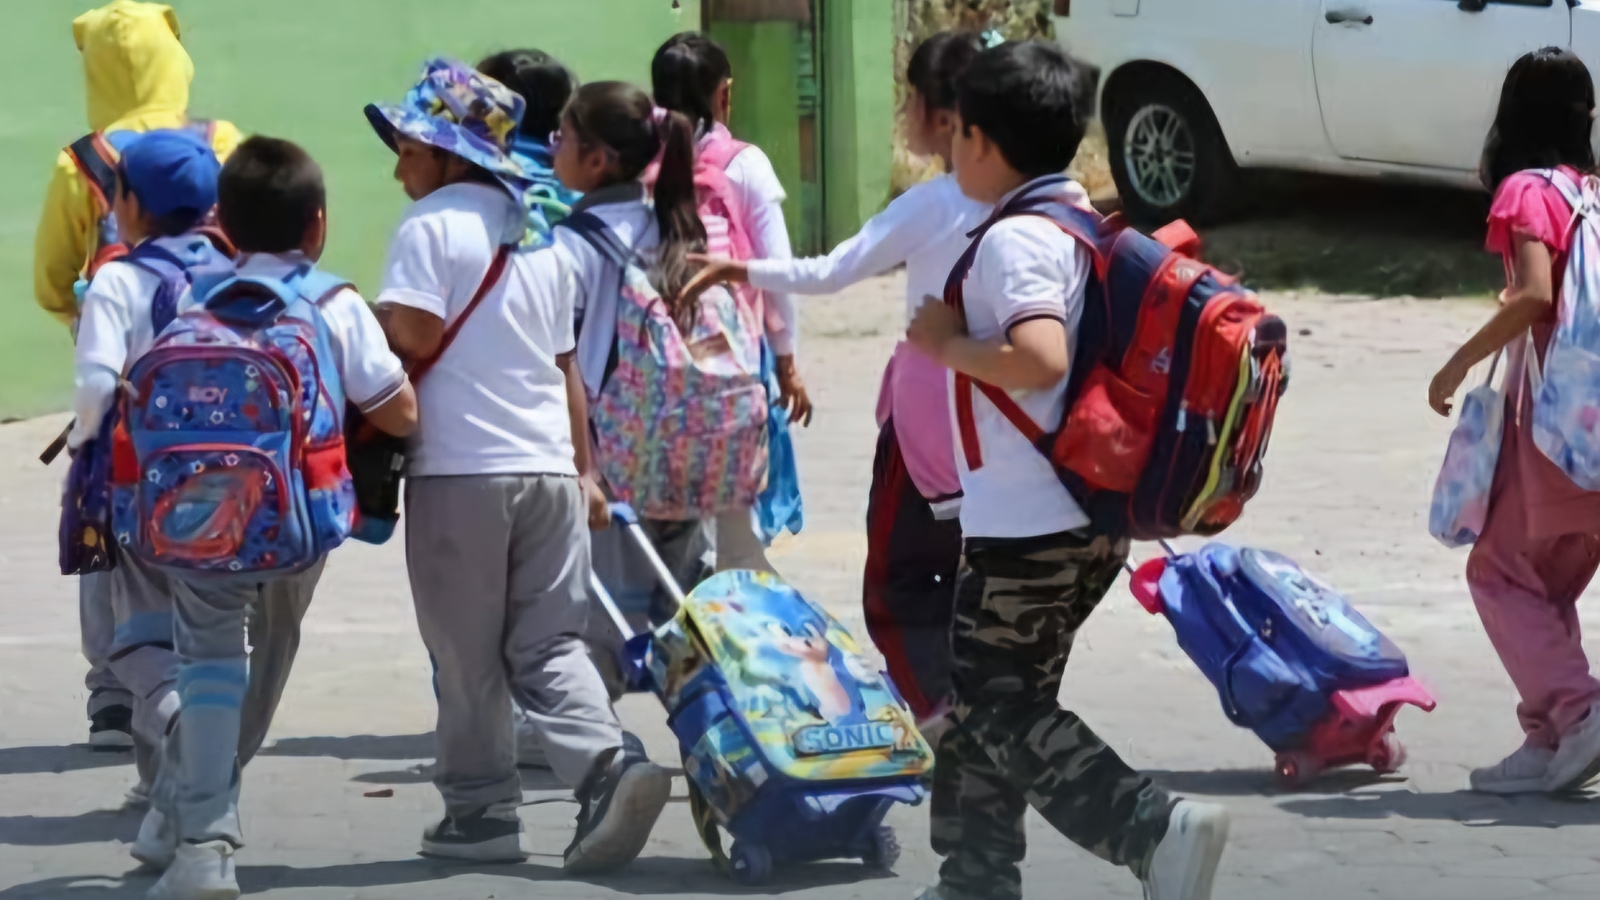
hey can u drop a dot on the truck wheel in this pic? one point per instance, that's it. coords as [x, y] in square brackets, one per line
[1168, 156]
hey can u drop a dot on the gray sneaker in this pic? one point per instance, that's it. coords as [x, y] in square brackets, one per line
[1577, 759]
[1523, 772]
[620, 802]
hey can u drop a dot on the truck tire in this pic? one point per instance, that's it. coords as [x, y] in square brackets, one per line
[1167, 154]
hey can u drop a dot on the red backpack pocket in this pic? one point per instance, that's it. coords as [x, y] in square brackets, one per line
[1109, 430]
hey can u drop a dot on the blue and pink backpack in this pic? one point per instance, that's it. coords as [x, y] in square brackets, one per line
[229, 457]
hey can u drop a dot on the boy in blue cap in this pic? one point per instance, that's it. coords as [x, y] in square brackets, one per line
[166, 183]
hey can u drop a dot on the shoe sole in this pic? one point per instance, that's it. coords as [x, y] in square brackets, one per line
[1577, 782]
[153, 862]
[506, 849]
[626, 829]
[110, 740]
[213, 893]
[1521, 786]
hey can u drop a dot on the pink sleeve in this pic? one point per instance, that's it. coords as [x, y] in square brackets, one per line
[1527, 204]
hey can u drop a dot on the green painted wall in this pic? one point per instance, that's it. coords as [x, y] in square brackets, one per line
[300, 69]
[765, 99]
[858, 111]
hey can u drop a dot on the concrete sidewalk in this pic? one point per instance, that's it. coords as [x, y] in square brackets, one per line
[1349, 474]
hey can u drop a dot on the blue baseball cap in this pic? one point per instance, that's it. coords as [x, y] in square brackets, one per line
[171, 171]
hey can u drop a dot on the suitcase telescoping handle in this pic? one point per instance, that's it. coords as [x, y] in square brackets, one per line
[623, 514]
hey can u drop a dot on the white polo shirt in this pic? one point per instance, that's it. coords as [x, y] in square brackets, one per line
[496, 403]
[1026, 268]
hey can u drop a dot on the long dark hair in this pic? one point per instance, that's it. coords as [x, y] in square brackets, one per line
[1545, 119]
[937, 63]
[542, 81]
[686, 73]
[621, 118]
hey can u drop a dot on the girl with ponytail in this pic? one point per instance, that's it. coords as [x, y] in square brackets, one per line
[691, 75]
[610, 135]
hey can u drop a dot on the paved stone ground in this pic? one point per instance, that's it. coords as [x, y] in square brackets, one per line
[1350, 471]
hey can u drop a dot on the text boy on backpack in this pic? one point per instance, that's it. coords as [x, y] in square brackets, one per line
[165, 182]
[239, 506]
[497, 515]
[1035, 567]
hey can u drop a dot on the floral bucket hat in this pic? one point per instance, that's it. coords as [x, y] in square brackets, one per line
[460, 111]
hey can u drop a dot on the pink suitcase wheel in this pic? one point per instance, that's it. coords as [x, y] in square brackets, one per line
[1296, 768]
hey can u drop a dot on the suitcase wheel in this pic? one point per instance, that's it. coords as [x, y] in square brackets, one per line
[1294, 769]
[883, 849]
[750, 863]
[1387, 754]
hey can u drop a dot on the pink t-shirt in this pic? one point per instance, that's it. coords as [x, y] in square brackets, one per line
[1527, 204]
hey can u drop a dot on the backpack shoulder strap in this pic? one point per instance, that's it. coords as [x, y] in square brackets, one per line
[719, 151]
[1570, 190]
[317, 286]
[597, 234]
[97, 160]
[497, 267]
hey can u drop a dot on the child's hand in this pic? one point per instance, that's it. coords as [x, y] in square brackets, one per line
[934, 326]
[716, 270]
[792, 392]
[1444, 387]
[595, 499]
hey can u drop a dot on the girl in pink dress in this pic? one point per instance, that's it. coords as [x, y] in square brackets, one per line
[1541, 543]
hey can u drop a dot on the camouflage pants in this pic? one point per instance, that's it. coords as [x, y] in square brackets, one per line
[1019, 604]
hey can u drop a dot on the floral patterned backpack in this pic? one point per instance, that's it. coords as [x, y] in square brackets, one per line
[680, 419]
[1566, 393]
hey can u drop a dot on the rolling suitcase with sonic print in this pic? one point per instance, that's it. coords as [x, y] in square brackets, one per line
[1291, 659]
[791, 742]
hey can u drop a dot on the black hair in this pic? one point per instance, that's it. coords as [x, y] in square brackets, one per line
[619, 117]
[1545, 119]
[169, 224]
[937, 64]
[544, 83]
[1032, 100]
[268, 195]
[686, 73]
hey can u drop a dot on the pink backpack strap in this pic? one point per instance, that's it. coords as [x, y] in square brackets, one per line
[718, 148]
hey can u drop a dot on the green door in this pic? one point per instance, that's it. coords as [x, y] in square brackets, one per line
[774, 49]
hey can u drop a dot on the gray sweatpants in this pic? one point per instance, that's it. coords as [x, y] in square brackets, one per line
[226, 709]
[142, 656]
[96, 627]
[499, 574]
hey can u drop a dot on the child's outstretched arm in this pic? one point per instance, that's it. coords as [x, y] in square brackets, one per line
[1032, 357]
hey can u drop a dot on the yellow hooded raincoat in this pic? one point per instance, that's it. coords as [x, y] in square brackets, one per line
[137, 77]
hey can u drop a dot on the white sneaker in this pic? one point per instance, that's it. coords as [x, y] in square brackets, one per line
[157, 841]
[1523, 772]
[198, 872]
[1185, 862]
[1577, 759]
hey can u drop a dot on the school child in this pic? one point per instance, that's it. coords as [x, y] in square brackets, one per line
[1034, 566]
[1540, 544]
[271, 204]
[913, 535]
[545, 85]
[136, 79]
[163, 183]
[690, 74]
[499, 493]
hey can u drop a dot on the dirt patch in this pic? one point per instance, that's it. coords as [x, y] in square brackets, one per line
[1339, 235]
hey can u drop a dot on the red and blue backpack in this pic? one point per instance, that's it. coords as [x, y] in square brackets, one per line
[230, 456]
[1174, 382]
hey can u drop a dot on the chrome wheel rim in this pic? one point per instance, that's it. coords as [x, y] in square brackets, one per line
[1159, 152]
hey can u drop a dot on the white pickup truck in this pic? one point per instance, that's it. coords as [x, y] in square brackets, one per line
[1193, 89]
